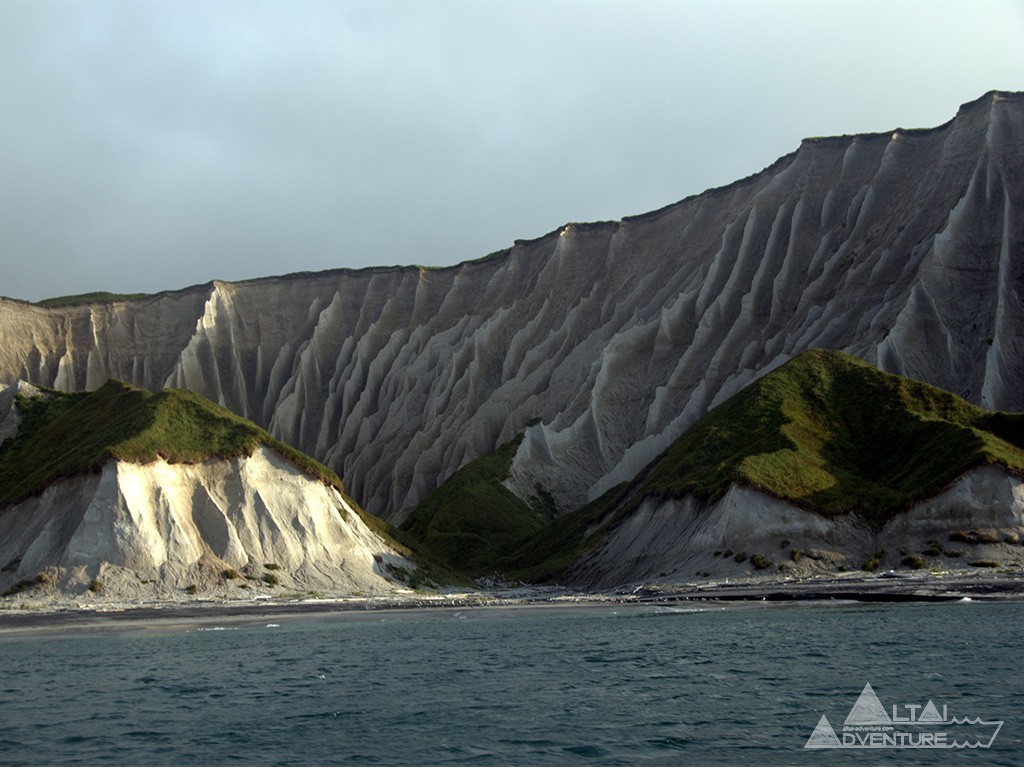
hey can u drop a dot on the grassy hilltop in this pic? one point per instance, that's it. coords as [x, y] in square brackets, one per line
[66, 434]
[96, 297]
[832, 434]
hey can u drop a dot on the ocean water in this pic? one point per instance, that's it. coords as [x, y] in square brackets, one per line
[609, 686]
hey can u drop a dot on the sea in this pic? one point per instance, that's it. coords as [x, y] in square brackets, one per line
[610, 685]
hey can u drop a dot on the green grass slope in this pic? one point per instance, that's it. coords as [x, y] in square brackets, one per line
[62, 435]
[832, 434]
[65, 434]
[826, 432]
[471, 520]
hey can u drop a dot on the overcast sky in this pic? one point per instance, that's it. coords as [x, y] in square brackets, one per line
[151, 145]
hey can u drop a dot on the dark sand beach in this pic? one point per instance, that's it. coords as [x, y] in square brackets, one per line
[68, 617]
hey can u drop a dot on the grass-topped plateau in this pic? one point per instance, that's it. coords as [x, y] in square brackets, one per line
[96, 297]
[66, 434]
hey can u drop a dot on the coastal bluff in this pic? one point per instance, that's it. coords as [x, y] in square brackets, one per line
[601, 343]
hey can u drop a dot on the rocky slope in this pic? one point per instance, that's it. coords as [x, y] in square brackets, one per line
[233, 528]
[978, 521]
[903, 248]
[228, 525]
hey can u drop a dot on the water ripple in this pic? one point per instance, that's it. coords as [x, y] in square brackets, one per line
[720, 687]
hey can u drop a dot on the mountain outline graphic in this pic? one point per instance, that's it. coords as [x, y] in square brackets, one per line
[867, 710]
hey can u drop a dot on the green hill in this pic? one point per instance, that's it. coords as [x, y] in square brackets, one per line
[471, 520]
[832, 434]
[825, 432]
[66, 434]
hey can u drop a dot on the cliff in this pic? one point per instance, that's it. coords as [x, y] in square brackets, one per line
[978, 521]
[122, 493]
[234, 528]
[902, 248]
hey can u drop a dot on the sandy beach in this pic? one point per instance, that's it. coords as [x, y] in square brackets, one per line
[56, 616]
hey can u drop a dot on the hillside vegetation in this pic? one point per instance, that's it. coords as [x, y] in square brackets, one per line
[96, 297]
[833, 434]
[825, 432]
[66, 434]
[471, 519]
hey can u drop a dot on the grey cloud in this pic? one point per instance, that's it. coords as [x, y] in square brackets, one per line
[150, 145]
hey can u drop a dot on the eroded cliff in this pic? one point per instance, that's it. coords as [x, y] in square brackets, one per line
[230, 527]
[976, 521]
[903, 248]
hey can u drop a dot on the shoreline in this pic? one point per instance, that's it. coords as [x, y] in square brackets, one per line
[887, 587]
[62, 618]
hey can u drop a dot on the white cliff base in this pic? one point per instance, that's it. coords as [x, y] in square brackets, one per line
[234, 528]
[746, 532]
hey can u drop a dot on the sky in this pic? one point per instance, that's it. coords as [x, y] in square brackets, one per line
[150, 145]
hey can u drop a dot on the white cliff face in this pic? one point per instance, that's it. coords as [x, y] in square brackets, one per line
[901, 248]
[675, 540]
[10, 417]
[159, 528]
